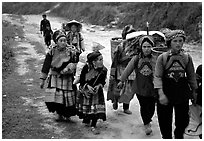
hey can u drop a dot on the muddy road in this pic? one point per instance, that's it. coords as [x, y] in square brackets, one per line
[23, 85]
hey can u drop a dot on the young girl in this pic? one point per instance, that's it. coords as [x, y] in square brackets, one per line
[143, 64]
[60, 63]
[91, 103]
[74, 36]
[175, 81]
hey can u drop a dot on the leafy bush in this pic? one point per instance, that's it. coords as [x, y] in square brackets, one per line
[173, 15]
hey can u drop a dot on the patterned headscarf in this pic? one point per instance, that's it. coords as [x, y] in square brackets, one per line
[146, 38]
[175, 33]
[57, 34]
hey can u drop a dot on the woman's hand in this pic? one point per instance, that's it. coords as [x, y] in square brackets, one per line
[194, 97]
[120, 85]
[42, 83]
[96, 88]
[91, 89]
[162, 97]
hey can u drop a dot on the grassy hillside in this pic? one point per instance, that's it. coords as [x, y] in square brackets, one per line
[9, 32]
[177, 15]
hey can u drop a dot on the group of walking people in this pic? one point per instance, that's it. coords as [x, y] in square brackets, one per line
[168, 81]
[58, 73]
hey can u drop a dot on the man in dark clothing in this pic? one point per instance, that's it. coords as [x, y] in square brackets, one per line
[48, 35]
[43, 24]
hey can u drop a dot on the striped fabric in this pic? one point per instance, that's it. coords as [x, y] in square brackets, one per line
[60, 90]
[63, 82]
[60, 96]
[94, 104]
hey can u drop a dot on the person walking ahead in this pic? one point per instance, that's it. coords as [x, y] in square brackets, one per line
[43, 24]
[120, 61]
[174, 73]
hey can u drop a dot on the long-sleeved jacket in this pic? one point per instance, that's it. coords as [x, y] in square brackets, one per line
[174, 73]
[43, 24]
[160, 65]
[144, 69]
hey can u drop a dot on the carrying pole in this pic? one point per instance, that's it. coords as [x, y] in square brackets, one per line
[147, 25]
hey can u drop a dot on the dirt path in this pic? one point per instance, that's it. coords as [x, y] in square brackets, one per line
[34, 119]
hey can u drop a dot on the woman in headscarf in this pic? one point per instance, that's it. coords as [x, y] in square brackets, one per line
[120, 61]
[91, 103]
[175, 81]
[60, 64]
[74, 36]
[143, 64]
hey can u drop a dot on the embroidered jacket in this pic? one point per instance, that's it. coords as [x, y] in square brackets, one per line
[144, 69]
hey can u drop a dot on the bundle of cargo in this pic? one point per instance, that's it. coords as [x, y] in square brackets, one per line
[156, 51]
[159, 39]
[114, 43]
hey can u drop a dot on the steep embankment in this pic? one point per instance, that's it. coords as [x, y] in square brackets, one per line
[173, 15]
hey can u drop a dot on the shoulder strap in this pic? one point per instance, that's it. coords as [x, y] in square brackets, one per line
[167, 57]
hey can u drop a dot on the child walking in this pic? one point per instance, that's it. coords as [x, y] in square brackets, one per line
[91, 103]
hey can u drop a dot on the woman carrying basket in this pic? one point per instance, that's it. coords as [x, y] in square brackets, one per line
[120, 61]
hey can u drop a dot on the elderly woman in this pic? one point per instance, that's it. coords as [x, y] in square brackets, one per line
[175, 81]
[143, 64]
[91, 103]
[60, 64]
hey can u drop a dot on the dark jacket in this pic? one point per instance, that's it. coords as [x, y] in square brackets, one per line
[43, 24]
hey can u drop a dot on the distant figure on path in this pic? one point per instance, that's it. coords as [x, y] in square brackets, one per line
[74, 36]
[48, 35]
[43, 24]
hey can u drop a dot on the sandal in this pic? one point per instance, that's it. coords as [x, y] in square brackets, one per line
[95, 131]
[60, 118]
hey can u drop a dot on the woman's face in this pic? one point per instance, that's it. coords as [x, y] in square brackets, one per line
[62, 42]
[73, 28]
[146, 48]
[177, 43]
[98, 63]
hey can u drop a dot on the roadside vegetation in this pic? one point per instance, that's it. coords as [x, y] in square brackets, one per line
[173, 15]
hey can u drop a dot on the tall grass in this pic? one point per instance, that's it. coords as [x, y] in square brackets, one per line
[8, 34]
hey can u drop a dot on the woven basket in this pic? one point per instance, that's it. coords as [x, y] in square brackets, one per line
[114, 43]
[156, 51]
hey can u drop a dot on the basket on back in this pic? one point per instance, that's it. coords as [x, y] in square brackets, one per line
[114, 43]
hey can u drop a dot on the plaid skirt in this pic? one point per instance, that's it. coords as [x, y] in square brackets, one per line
[93, 105]
[60, 96]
